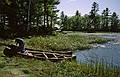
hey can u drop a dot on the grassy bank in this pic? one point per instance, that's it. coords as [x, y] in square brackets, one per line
[20, 67]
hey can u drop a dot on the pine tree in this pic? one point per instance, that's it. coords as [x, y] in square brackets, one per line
[62, 16]
[105, 19]
[114, 22]
[93, 16]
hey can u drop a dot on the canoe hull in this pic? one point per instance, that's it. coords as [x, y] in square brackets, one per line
[52, 56]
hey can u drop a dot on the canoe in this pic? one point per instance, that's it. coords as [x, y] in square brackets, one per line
[52, 56]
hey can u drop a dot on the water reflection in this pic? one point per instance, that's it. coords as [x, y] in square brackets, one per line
[109, 52]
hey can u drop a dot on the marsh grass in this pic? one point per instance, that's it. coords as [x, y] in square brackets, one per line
[102, 69]
[63, 42]
[36, 68]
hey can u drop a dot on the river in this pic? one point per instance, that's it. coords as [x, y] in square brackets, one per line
[107, 53]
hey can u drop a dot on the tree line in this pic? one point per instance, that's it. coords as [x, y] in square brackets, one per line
[92, 22]
[20, 18]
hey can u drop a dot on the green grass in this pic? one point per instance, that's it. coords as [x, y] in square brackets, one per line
[63, 42]
[20, 67]
[36, 68]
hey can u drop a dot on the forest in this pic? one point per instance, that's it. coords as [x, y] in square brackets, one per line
[22, 18]
[92, 22]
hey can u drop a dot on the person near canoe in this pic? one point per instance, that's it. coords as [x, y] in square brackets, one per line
[21, 44]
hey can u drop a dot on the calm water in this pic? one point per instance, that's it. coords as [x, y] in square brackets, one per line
[108, 53]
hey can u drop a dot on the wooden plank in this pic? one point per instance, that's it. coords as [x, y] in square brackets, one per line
[55, 56]
[65, 53]
[45, 55]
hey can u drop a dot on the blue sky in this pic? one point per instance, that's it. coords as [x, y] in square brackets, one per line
[84, 6]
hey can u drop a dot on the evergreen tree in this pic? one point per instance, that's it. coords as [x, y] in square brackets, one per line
[62, 16]
[93, 16]
[77, 21]
[9, 9]
[77, 13]
[66, 25]
[85, 22]
[114, 22]
[26, 17]
[105, 19]
[52, 13]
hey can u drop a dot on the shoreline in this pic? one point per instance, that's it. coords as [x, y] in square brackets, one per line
[36, 68]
